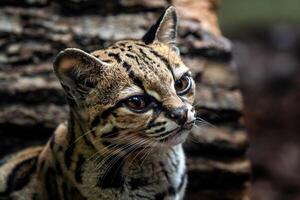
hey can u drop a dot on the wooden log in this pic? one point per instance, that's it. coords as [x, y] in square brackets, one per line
[32, 102]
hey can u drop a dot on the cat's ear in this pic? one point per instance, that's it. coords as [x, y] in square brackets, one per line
[75, 70]
[165, 29]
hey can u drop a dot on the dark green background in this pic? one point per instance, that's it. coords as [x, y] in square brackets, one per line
[235, 14]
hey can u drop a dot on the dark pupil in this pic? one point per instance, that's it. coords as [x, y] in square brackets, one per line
[179, 84]
[136, 102]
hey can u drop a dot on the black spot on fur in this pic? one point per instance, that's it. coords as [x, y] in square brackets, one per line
[182, 181]
[129, 47]
[136, 183]
[164, 60]
[78, 175]
[96, 121]
[164, 171]
[151, 125]
[121, 44]
[133, 57]
[160, 130]
[93, 133]
[164, 134]
[136, 80]
[126, 66]
[68, 155]
[115, 56]
[160, 196]
[114, 113]
[108, 111]
[20, 175]
[130, 55]
[144, 58]
[144, 54]
[174, 162]
[87, 141]
[70, 148]
[107, 144]
[51, 184]
[113, 133]
[171, 191]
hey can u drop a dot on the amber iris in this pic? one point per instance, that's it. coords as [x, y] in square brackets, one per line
[183, 85]
[137, 103]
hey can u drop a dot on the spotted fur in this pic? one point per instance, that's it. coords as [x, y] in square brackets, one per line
[109, 149]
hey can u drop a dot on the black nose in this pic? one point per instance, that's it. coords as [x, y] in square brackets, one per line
[179, 115]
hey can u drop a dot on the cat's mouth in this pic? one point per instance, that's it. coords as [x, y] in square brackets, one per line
[180, 135]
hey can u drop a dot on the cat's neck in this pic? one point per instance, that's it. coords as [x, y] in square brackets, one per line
[69, 161]
[83, 166]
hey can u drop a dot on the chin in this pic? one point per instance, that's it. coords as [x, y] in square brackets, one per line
[178, 138]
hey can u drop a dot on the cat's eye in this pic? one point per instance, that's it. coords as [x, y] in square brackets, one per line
[183, 85]
[138, 103]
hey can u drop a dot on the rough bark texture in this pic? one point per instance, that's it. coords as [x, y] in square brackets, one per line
[32, 102]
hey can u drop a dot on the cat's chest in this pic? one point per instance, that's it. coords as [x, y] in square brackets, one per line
[165, 172]
[163, 178]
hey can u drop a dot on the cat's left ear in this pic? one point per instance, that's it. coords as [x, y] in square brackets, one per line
[165, 29]
[77, 72]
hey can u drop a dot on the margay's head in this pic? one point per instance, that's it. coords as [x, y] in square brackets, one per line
[135, 92]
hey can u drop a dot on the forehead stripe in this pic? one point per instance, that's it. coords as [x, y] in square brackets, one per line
[115, 56]
[133, 57]
[126, 65]
[136, 80]
[164, 60]
[144, 56]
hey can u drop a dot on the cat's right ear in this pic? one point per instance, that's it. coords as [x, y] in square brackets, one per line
[76, 71]
[165, 28]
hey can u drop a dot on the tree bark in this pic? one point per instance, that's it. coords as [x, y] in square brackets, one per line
[32, 32]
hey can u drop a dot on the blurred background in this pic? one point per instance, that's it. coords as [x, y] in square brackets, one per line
[261, 64]
[266, 39]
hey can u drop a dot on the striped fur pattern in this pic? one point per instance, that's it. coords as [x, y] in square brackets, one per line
[130, 111]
